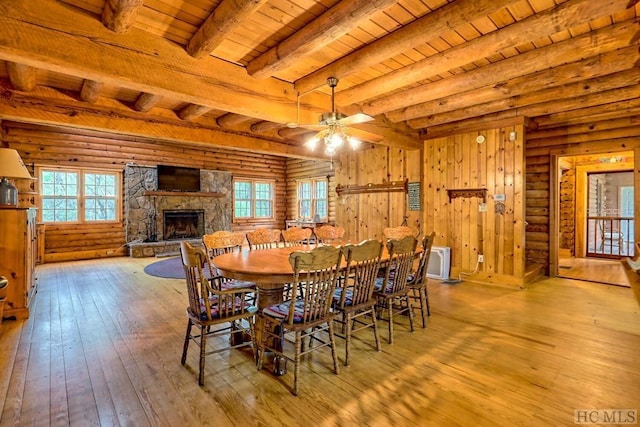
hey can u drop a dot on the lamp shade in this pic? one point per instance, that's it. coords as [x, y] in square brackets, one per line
[11, 165]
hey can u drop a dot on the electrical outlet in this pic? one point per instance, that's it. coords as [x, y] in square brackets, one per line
[480, 258]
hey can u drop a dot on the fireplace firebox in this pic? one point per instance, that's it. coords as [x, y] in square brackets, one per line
[183, 224]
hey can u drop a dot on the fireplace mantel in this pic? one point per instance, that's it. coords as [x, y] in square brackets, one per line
[184, 193]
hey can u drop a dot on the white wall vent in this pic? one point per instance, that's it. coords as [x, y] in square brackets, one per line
[439, 263]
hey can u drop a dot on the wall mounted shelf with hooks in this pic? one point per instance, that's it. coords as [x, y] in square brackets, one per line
[467, 192]
[387, 187]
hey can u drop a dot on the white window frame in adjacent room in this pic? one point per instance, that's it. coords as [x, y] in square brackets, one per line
[313, 199]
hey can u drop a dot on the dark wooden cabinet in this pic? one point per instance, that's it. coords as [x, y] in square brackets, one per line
[18, 253]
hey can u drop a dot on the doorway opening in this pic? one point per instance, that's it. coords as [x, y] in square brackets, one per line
[594, 216]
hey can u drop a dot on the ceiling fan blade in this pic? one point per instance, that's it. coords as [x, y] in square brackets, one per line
[355, 119]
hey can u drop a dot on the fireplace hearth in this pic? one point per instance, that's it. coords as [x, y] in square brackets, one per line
[182, 224]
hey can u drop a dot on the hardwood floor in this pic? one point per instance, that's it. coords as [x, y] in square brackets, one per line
[610, 272]
[103, 347]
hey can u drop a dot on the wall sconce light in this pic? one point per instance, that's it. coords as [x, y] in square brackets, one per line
[11, 166]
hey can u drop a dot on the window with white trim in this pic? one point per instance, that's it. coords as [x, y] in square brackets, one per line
[79, 195]
[313, 198]
[253, 199]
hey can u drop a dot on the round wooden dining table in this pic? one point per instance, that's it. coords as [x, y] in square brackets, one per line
[268, 268]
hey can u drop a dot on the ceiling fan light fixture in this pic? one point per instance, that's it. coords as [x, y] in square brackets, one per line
[334, 139]
[337, 126]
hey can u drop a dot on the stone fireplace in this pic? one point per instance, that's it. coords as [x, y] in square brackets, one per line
[183, 224]
[190, 214]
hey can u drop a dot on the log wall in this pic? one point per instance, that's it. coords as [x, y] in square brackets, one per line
[47, 146]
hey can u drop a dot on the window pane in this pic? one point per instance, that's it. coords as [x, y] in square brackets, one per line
[321, 189]
[304, 191]
[305, 209]
[263, 191]
[242, 209]
[242, 190]
[60, 196]
[100, 190]
[263, 209]
[321, 208]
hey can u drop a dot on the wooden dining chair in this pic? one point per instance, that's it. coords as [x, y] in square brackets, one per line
[398, 232]
[391, 290]
[263, 238]
[328, 234]
[354, 301]
[307, 315]
[223, 242]
[296, 236]
[417, 281]
[212, 310]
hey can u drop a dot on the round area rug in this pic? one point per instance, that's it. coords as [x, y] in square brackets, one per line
[169, 268]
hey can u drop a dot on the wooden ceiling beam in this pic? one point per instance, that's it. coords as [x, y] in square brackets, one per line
[119, 15]
[22, 77]
[334, 23]
[231, 120]
[191, 111]
[577, 114]
[540, 102]
[569, 74]
[146, 101]
[36, 33]
[90, 91]
[405, 38]
[625, 109]
[589, 44]
[50, 107]
[264, 126]
[137, 60]
[225, 18]
[531, 29]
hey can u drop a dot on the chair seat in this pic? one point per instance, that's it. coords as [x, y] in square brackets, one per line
[237, 284]
[377, 287]
[392, 274]
[238, 305]
[281, 311]
[348, 296]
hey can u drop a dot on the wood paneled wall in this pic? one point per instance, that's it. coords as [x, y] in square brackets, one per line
[547, 144]
[365, 215]
[497, 164]
[48, 146]
[298, 169]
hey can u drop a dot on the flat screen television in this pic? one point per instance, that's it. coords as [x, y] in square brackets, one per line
[176, 178]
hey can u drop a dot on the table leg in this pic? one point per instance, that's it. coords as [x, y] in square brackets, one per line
[267, 296]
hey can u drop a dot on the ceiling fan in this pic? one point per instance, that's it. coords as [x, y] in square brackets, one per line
[334, 125]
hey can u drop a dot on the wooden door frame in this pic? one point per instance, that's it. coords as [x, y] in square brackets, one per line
[554, 194]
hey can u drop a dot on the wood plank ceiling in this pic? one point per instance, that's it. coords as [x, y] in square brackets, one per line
[233, 72]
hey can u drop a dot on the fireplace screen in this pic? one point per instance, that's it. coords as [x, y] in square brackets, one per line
[183, 224]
